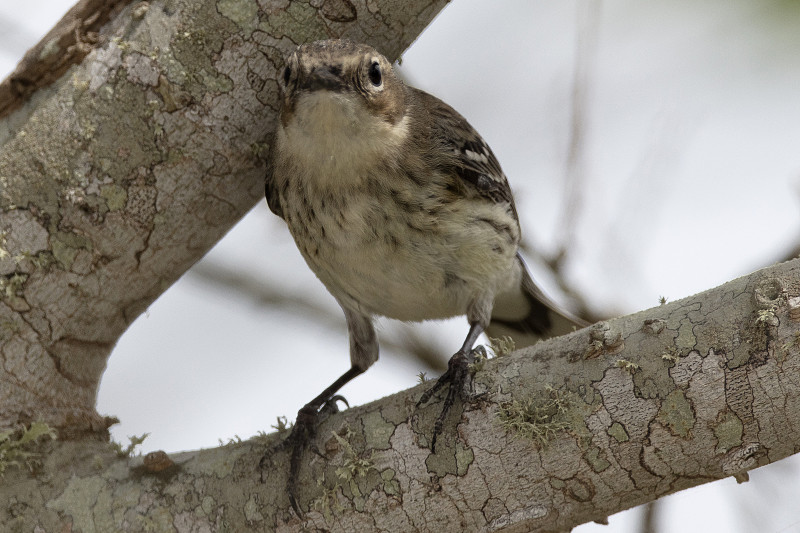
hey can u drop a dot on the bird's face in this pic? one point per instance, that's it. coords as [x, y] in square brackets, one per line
[329, 84]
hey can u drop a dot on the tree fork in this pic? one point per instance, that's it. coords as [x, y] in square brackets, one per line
[119, 175]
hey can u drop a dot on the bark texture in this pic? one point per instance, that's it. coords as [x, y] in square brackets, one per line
[120, 175]
[564, 432]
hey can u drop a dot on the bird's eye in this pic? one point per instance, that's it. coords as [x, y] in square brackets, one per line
[287, 73]
[374, 74]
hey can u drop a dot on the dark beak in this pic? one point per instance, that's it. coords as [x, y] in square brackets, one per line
[323, 78]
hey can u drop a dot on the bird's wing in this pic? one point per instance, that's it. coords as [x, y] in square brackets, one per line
[270, 190]
[470, 157]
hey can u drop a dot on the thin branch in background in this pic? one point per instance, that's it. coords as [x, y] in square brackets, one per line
[588, 15]
[266, 295]
[588, 22]
[649, 517]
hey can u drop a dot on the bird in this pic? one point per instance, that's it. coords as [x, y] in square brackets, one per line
[401, 210]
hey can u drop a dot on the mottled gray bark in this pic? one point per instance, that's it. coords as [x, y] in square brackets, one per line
[567, 431]
[124, 171]
[117, 177]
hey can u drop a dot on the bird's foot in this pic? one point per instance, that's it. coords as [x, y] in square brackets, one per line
[301, 437]
[458, 378]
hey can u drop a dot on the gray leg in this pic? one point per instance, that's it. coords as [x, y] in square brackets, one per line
[456, 377]
[363, 353]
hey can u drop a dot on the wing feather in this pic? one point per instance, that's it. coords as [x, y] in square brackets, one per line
[471, 158]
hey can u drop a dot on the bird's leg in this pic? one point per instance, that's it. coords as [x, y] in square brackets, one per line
[305, 429]
[363, 352]
[456, 377]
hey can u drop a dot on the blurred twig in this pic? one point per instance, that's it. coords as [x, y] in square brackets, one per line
[575, 174]
[266, 295]
[649, 517]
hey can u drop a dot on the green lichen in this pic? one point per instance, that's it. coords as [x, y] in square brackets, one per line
[73, 502]
[627, 365]
[617, 431]
[501, 345]
[595, 458]
[686, 339]
[66, 245]
[282, 424]
[3, 252]
[377, 431]
[16, 447]
[676, 414]
[236, 439]
[671, 354]
[765, 317]
[728, 431]
[116, 197]
[328, 503]
[11, 285]
[130, 449]
[390, 485]
[251, 512]
[243, 13]
[8, 328]
[353, 466]
[537, 419]
[353, 470]
[464, 458]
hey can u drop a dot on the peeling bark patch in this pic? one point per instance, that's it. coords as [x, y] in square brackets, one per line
[141, 205]
[529, 513]
[739, 397]
[742, 459]
[685, 368]
[633, 413]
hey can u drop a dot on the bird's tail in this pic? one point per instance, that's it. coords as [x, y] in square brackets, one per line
[527, 315]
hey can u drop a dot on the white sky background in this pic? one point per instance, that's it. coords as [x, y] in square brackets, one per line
[692, 178]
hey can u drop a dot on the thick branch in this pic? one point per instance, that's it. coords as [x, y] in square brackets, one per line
[120, 175]
[64, 46]
[623, 412]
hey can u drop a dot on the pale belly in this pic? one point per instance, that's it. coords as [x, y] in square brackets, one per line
[377, 257]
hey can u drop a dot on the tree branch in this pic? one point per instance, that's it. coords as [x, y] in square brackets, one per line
[564, 432]
[120, 175]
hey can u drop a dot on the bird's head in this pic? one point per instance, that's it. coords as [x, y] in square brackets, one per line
[339, 80]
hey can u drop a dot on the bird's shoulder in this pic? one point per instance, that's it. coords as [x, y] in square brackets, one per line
[462, 149]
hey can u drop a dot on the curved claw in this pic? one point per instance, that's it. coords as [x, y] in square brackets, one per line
[330, 406]
[300, 438]
[456, 377]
